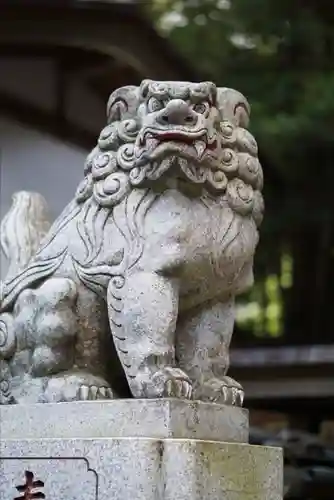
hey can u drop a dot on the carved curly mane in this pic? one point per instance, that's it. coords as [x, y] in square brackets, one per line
[109, 170]
[112, 170]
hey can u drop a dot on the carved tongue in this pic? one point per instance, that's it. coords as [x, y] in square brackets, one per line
[151, 142]
[200, 147]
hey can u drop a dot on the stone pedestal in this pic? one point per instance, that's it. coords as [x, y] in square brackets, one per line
[136, 450]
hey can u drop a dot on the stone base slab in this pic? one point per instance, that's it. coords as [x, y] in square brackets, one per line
[155, 418]
[139, 469]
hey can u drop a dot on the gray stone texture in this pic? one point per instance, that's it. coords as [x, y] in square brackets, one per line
[160, 418]
[142, 469]
[132, 290]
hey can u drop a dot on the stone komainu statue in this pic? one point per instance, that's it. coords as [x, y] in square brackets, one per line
[131, 290]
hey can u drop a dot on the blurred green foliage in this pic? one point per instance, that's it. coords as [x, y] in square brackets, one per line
[280, 54]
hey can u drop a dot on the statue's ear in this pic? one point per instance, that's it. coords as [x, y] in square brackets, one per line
[233, 107]
[122, 104]
[144, 87]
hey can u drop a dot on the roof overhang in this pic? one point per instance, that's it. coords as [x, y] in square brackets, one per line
[113, 30]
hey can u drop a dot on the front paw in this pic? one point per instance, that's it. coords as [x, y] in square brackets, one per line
[77, 387]
[171, 383]
[224, 391]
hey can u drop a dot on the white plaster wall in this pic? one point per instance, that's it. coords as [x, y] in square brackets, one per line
[38, 162]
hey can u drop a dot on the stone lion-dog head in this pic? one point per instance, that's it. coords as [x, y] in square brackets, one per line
[193, 133]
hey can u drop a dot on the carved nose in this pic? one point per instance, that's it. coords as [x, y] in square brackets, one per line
[177, 112]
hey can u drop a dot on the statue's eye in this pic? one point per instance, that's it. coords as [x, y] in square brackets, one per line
[201, 108]
[154, 105]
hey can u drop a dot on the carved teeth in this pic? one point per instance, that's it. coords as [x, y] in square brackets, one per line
[104, 393]
[169, 388]
[83, 393]
[232, 383]
[109, 393]
[93, 392]
[225, 393]
[200, 147]
[144, 136]
[235, 394]
[211, 137]
[141, 138]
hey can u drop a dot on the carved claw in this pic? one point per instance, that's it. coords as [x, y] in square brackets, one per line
[224, 391]
[172, 383]
[77, 387]
[92, 393]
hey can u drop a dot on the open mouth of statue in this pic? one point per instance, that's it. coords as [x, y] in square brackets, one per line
[187, 143]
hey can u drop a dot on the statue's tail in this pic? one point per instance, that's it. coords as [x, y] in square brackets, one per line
[23, 228]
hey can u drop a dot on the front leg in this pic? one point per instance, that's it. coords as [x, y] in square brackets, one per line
[143, 309]
[203, 340]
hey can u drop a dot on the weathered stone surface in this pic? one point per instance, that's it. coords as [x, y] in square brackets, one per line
[160, 418]
[22, 230]
[132, 290]
[142, 469]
